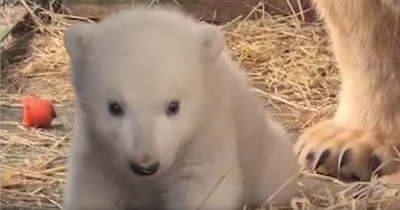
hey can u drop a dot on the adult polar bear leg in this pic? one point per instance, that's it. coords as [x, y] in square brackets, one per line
[365, 133]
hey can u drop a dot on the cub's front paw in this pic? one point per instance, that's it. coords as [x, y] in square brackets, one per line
[346, 153]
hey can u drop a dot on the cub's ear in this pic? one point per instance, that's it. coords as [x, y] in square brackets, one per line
[77, 38]
[213, 41]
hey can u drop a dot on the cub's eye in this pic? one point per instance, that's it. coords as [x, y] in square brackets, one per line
[115, 109]
[173, 108]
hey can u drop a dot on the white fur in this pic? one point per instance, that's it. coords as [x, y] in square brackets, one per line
[145, 58]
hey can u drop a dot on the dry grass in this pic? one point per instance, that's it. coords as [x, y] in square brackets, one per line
[290, 64]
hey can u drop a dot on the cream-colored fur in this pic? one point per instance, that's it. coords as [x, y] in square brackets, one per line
[366, 43]
[143, 60]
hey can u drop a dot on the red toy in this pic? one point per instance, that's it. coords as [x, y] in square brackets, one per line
[37, 112]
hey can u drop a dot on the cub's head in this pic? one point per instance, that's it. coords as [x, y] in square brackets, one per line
[142, 80]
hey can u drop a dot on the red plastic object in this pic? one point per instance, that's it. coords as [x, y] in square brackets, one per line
[37, 112]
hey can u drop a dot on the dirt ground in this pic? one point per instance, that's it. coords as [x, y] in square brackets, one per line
[32, 160]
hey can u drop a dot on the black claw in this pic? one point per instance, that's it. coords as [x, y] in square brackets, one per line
[349, 178]
[354, 177]
[344, 158]
[321, 159]
[374, 163]
[310, 156]
[301, 148]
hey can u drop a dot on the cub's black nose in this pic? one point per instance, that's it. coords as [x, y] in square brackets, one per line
[144, 170]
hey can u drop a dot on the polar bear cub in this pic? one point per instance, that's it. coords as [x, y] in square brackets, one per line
[167, 120]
